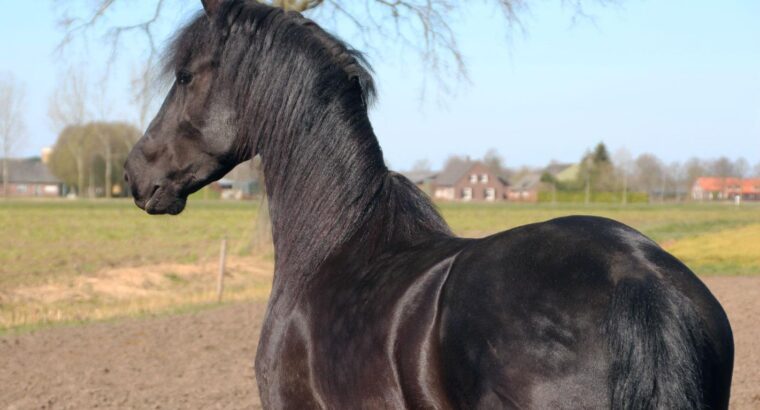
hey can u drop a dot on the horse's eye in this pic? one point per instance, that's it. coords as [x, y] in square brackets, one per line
[184, 77]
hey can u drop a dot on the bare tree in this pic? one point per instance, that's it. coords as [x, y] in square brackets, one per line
[674, 176]
[648, 170]
[68, 104]
[11, 122]
[105, 141]
[723, 167]
[422, 165]
[741, 168]
[143, 93]
[494, 161]
[695, 168]
[421, 25]
[587, 166]
[455, 161]
[624, 166]
[68, 107]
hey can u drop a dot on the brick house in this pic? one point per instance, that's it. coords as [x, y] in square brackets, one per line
[240, 183]
[469, 181]
[717, 188]
[425, 180]
[526, 188]
[30, 177]
[563, 172]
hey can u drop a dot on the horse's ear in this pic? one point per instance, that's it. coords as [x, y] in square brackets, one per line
[211, 6]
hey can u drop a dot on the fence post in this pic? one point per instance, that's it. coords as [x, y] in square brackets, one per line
[222, 262]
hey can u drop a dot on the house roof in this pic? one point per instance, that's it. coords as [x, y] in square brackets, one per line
[419, 177]
[453, 173]
[244, 172]
[29, 171]
[556, 168]
[719, 184]
[563, 172]
[528, 181]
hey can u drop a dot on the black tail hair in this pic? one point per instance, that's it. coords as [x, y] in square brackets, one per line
[656, 343]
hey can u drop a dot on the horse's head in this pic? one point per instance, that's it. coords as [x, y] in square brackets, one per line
[191, 141]
[249, 79]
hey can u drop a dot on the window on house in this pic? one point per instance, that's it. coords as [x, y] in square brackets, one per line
[21, 189]
[467, 194]
[484, 178]
[490, 194]
[473, 178]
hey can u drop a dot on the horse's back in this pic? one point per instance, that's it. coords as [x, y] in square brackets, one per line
[560, 314]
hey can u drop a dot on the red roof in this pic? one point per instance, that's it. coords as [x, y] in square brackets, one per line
[732, 185]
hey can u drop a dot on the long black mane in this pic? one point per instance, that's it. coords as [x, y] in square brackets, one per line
[302, 96]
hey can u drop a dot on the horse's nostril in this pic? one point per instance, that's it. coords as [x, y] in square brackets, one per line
[126, 177]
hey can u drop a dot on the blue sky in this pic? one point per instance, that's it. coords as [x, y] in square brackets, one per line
[677, 79]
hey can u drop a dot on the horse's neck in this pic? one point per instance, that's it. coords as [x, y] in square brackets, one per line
[320, 190]
[342, 201]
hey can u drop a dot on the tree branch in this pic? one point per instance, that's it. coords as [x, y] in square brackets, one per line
[422, 25]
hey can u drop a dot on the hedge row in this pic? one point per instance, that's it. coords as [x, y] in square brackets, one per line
[596, 197]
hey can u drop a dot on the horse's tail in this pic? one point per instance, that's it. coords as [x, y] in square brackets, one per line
[656, 343]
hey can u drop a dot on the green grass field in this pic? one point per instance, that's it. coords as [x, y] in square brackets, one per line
[44, 239]
[71, 245]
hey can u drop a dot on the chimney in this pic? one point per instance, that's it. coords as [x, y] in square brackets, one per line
[46, 152]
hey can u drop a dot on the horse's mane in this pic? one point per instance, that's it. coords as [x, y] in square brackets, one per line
[324, 170]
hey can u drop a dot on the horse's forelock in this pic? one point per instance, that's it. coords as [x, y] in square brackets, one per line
[249, 17]
[192, 37]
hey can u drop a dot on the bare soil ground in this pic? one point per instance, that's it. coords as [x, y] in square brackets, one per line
[204, 360]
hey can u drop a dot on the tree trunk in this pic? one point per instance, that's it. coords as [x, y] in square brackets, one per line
[625, 189]
[554, 193]
[80, 174]
[5, 176]
[262, 229]
[91, 188]
[587, 199]
[109, 171]
[261, 241]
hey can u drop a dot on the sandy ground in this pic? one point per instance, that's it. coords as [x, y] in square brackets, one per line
[740, 297]
[205, 360]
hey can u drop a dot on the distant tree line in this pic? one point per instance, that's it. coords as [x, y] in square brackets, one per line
[674, 180]
[619, 175]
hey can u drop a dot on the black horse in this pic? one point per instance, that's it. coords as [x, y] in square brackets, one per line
[375, 304]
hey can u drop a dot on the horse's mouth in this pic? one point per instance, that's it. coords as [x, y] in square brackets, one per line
[163, 201]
